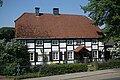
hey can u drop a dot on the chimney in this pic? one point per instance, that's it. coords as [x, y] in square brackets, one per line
[55, 11]
[37, 11]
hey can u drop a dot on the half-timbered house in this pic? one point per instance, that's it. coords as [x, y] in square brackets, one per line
[61, 37]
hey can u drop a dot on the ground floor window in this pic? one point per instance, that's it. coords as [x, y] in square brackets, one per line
[55, 55]
[95, 54]
[31, 56]
[70, 55]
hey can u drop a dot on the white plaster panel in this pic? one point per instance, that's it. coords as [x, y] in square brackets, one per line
[89, 49]
[32, 63]
[101, 48]
[47, 45]
[40, 58]
[63, 57]
[94, 46]
[39, 63]
[61, 62]
[38, 51]
[75, 47]
[101, 44]
[69, 47]
[55, 48]
[87, 43]
[70, 62]
[39, 46]
[62, 50]
[31, 50]
[62, 45]
[30, 45]
[47, 50]
[54, 62]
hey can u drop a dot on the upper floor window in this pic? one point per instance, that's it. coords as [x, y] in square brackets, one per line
[94, 41]
[55, 42]
[23, 42]
[69, 42]
[39, 42]
[78, 42]
[62, 41]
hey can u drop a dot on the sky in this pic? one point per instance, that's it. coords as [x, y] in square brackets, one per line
[12, 9]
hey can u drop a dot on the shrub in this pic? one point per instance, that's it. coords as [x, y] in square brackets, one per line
[9, 70]
[55, 69]
[109, 65]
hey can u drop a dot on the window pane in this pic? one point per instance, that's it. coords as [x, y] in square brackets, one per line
[95, 54]
[55, 42]
[39, 42]
[70, 55]
[69, 42]
[23, 41]
[55, 55]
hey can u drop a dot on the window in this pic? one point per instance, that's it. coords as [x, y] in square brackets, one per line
[78, 42]
[62, 41]
[23, 42]
[69, 42]
[95, 54]
[70, 55]
[55, 56]
[54, 42]
[39, 42]
[31, 56]
[94, 41]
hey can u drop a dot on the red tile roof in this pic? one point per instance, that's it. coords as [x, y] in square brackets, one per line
[50, 26]
[78, 49]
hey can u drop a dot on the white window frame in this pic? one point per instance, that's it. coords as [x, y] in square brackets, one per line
[39, 42]
[31, 56]
[69, 55]
[55, 55]
[94, 41]
[95, 54]
[23, 42]
[69, 42]
[54, 42]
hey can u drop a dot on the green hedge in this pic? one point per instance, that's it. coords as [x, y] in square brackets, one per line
[109, 65]
[52, 69]
[55, 69]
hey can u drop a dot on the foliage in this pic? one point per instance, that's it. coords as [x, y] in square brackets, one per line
[105, 12]
[1, 3]
[116, 49]
[12, 53]
[52, 69]
[55, 69]
[109, 65]
[7, 33]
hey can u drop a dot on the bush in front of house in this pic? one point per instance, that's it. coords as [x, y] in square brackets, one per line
[56, 69]
[109, 64]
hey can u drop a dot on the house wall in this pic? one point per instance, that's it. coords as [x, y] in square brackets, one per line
[38, 47]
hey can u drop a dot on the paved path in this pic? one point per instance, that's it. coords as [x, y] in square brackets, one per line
[82, 75]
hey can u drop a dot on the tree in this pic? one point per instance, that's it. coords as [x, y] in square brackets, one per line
[7, 33]
[105, 12]
[1, 3]
[11, 54]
